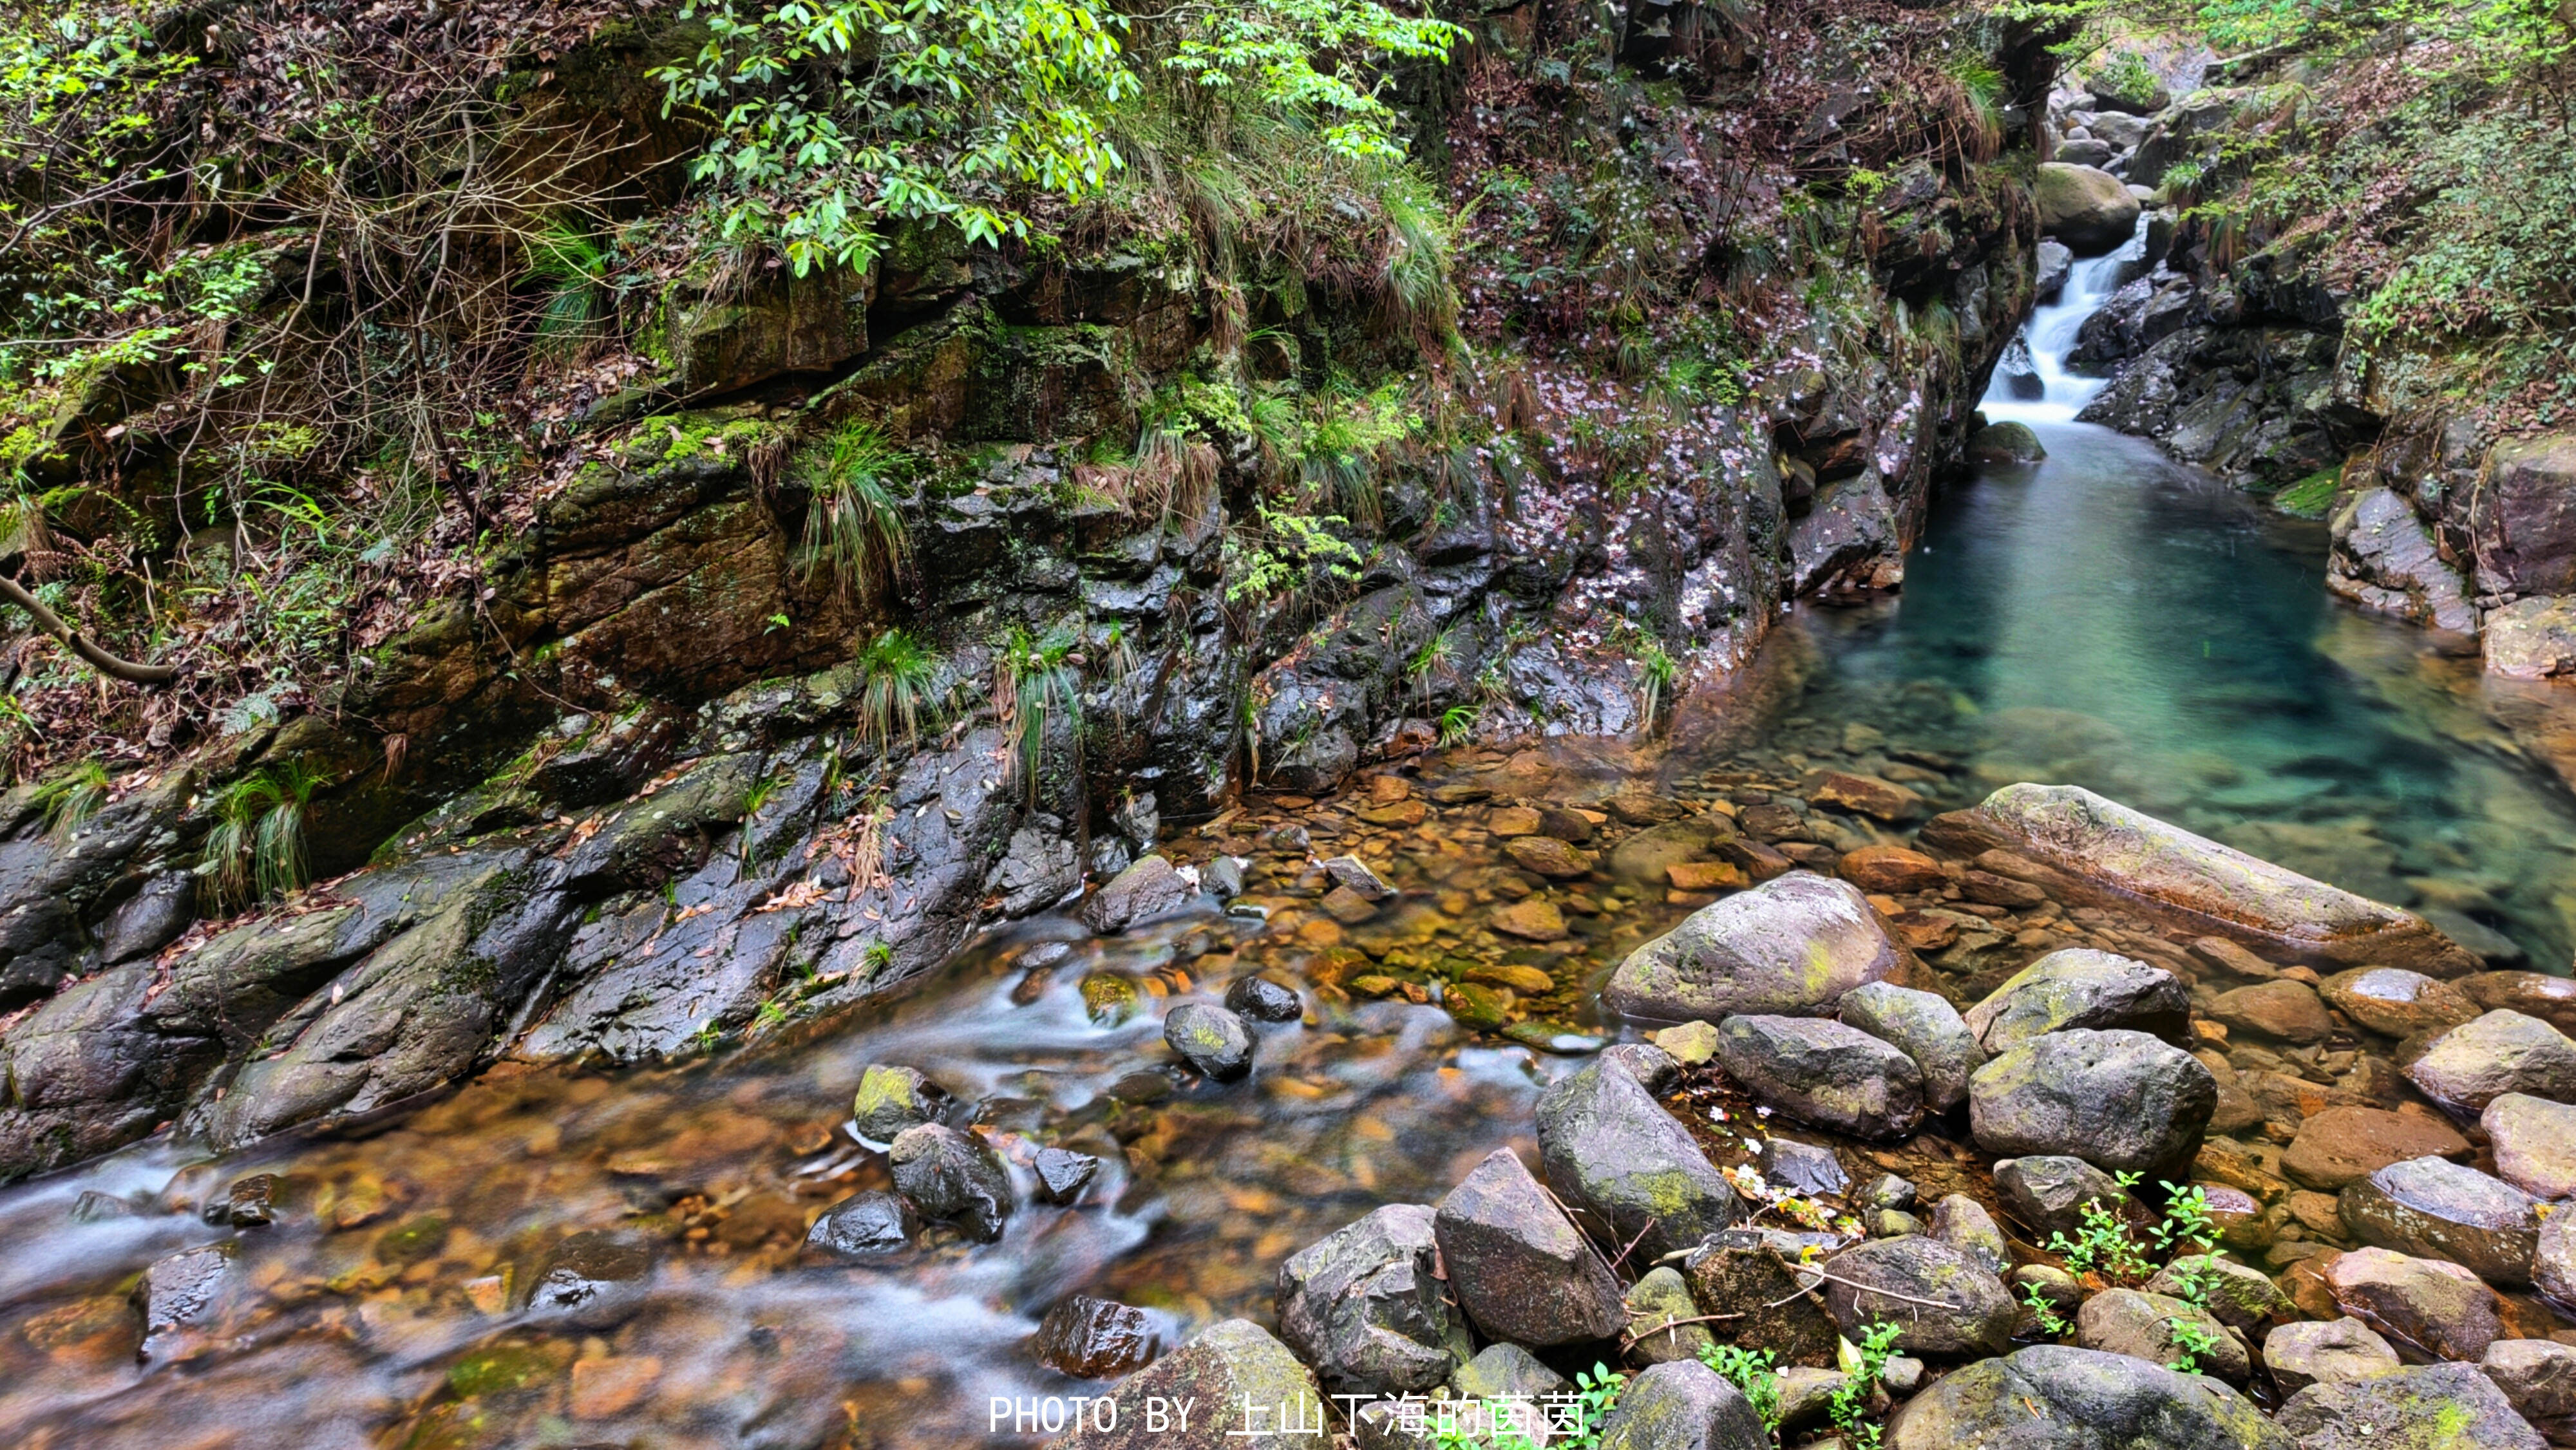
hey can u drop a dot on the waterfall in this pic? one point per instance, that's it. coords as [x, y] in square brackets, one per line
[2050, 335]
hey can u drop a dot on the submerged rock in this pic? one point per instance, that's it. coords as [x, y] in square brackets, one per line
[1792, 945]
[2122, 1101]
[1364, 1306]
[2052, 1397]
[1612, 1153]
[177, 1291]
[592, 1280]
[1825, 1073]
[1521, 1270]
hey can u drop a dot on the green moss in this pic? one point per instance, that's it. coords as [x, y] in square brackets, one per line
[2310, 497]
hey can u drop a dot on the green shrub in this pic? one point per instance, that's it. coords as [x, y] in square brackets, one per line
[898, 689]
[854, 528]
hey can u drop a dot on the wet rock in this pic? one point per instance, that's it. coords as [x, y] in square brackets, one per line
[2084, 207]
[2428, 1308]
[2538, 1377]
[2133, 1322]
[1093, 1339]
[2049, 1192]
[1110, 998]
[1791, 945]
[1684, 1405]
[2533, 994]
[1892, 869]
[592, 1280]
[2055, 261]
[1210, 1039]
[2323, 1351]
[1150, 888]
[1644, 858]
[2435, 1407]
[2523, 533]
[2340, 1144]
[1223, 877]
[953, 1177]
[2398, 1003]
[1532, 919]
[2535, 1144]
[1355, 876]
[2385, 558]
[249, 1202]
[2234, 1294]
[1244, 1384]
[1063, 1173]
[2097, 851]
[1264, 1000]
[2435, 1208]
[1848, 539]
[1885, 1191]
[864, 1226]
[1802, 1168]
[1824, 1073]
[1364, 1306]
[2005, 444]
[2053, 1397]
[2080, 987]
[1775, 1305]
[1866, 795]
[1038, 869]
[892, 1099]
[1519, 1267]
[1923, 1026]
[1690, 1043]
[2282, 1009]
[1963, 1224]
[1947, 1303]
[1549, 857]
[1626, 1167]
[1657, 1306]
[2119, 1100]
[176, 1292]
[2472, 1065]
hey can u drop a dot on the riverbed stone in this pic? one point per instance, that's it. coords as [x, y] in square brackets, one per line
[2535, 1143]
[2340, 1144]
[1262, 1000]
[2428, 1308]
[2236, 1295]
[1658, 1303]
[2084, 207]
[1150, 887]
[1364, 1305]
[2534, 994]
[1808, 1169]
[2318, 1351]
[1923, 1026]
[1963, 1224]
[953, 1177]
[2080, 987]
[2049, 1192]
[1683, 1405]
[2122, 1101]
[1892, 869]
[1533, 918]
[1775, 1306]
[2005, 444]
[2553, 1260]
[1865, 795]
[891, 1099]
[1215, 1042]
[1792, 945]
[177, 1291]
[2477, 1062]
[864, 1226]
[2282, 1009]
[2058, 1397]
[1627, 1167]
[2095, 851]
[1968, 1310]
[2435, 1208]
[1519, 1267]
[1549, 857]
[1063, 1173]
[2135, 1322]
[2398, 1003]
[1243, 1382]
[2433, 1407]
[2538, 1377]
[592, 1280]
[1822, 1072]
[1093, 1339]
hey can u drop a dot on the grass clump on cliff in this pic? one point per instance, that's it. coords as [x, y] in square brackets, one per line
[900, 687]
[855, 537]
[256, 848]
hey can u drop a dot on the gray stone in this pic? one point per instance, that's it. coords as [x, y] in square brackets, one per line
[1244, 1383]
[2236, 1295]
[1355, 874]
[1504, 1371]
[2537, 1375]
[2501, 1052]
[1824, 1073]
[2398, 1003]
[1624, 1165]
[2435, 1208]
[2532, 638]
[1093, 1339]
[1210, 1039]
[2088, 209]
[1520, 1269]
[2553, 1259]
[1364, 1306]
[2429, 1308]
[592, 1280]
[1263, 1000]
[2080, 987]
[2055, 261]
[2385, 558]
[175, 1292]
[864, 1226]
[2434, 1407]
[2053, 1397]
[1947, 1302]
[1684, 1405]
[1794, 944]
[1038, 869]
[1150, 888]
[2049, 1192]
[2319, 1351]
[892, 1099]
[1807, 1169]
[1963, 1224]
[1657, 1303]
[953, 1177]
[1923, 1026]
[2122, 1101]
[2134, 1322]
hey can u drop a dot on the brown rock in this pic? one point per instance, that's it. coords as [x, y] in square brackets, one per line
[1510, 821]
[1565, 825]
[2533, 994]
[605, 1388]
[2285, 1010]
[2227, 956]
[1866, 795]
[1531, 919]
[1398, 813]
[1348, 907]
[1548, 856]
[2428, 1309]
[1988, 889]
[2342, 1144]
[1891, 869]
[1758, 860]
[1704, 875]
[1780, 1309]
[1638, 808]
[1095, 1339]
[2398, 1003]
[2319, 1212]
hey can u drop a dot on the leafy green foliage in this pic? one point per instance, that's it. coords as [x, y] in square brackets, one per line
[2044, 1312]
[1457, 723]
[1037, 684]
[568, 264]
[1863, 1365]
[1751, 1371]
[854, 527]
[2103, 1242]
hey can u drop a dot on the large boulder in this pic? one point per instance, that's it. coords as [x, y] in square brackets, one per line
[1825, 1073]
[2093, 849]
[2050, 1192]
[2339, 1144]
[2435, 1208]
[2522, 517]
[1945, 1301]
[2135, 1322]
[2320, 1351]
[2435, 1407]
[1520, 1268]
[2385, 559]
[2533, 638]
[1364, 1305]
[1610, 1151]
[2085, 207]
[1792, 945]
[1923, 1026]
[1241, 1382]
[2052, 1397]
[2477, 1062]
[2121, 1101]
[1683, 1405]
[2535, 1144]
[954, 1177]
[2428, 1308]
[2081, 987]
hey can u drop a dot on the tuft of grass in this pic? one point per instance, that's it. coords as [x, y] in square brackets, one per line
[69, 799]
[256, 848]
[899, 689]
[854, 528]
[569, 263]
[1037, 683]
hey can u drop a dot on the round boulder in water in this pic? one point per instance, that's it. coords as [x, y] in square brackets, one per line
[1791, 945]
[2005, 444]
[953, 1177]
[592, 1280]
[1210, 1039]
[1264, 1000]
[2087, 208]
[864, 1226]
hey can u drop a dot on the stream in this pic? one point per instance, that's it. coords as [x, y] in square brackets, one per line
[2104, 617]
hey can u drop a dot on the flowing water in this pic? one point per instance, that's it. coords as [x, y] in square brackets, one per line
[2103, 617]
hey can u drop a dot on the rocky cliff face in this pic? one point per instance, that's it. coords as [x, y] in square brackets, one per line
[639, 778]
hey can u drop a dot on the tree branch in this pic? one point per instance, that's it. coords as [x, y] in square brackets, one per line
[99, 659]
